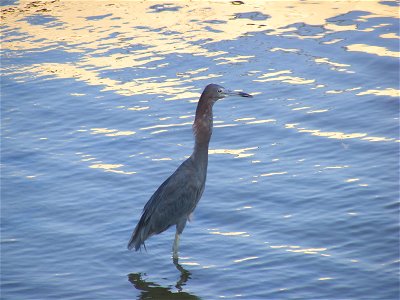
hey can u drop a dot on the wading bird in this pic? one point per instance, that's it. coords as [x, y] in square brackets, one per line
[177, 197]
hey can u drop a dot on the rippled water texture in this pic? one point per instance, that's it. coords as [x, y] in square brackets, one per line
[302, 195]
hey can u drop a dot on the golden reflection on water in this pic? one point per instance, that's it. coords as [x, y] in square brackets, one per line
[175, 32]
[385, 92]
[284, 50]
[94, 163]
[334, 65]
[244, 207]
[339, 135]
[138, 108]
[261, 121]
[161, 159]
[236, 59]
[286, 79]
[317, 111]
[342, 91]
[111, 168]
[166, 125]
[111, 132]
[390, 35]
[377, 50]
[245, 259]
[273, 174]
[336, 167]
[352, 179]
[298, 249]
[239, 153]
[234, 233]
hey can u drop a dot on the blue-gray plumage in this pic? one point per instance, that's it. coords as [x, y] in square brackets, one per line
[175, 199]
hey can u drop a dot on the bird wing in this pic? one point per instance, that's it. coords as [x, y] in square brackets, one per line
[171, 204]
[175, 199]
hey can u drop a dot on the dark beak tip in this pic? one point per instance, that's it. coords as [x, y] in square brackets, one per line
[245, 95]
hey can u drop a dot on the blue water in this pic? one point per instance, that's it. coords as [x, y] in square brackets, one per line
[302, 194]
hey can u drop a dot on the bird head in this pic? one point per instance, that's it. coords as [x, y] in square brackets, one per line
[214, 92]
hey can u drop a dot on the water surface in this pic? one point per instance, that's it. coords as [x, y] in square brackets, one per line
[301, 202]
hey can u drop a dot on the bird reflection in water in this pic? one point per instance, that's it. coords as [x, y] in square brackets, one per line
[151, 290]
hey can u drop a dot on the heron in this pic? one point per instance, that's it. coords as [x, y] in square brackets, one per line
[176, 198]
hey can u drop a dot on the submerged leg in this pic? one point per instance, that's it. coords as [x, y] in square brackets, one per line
[175, 246]
[179, 229]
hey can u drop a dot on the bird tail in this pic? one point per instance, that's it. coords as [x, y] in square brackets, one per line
[139, 235]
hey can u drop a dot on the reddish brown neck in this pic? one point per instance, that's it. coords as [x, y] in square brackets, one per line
[202, 128]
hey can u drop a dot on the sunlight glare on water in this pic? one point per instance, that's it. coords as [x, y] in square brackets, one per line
[302, 195]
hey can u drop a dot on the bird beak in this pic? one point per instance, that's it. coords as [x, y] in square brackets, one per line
[241, 94]
[234, 93]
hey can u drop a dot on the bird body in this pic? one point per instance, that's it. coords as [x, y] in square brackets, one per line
[177, 197]
[171, 204]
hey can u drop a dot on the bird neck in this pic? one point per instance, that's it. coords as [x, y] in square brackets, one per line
[202, 129]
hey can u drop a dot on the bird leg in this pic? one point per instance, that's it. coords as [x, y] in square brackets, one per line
[175, 246]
